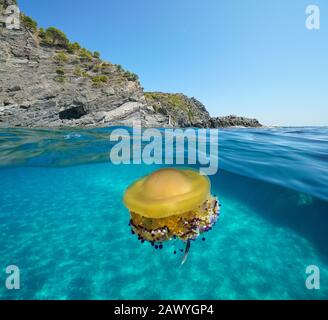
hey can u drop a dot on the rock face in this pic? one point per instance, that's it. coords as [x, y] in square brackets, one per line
[42, 86]
[181, 110]
[6, 3]
[234, 121]
[46, 85]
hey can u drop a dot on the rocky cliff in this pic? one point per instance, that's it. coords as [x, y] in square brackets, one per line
[45, 84]
[47, 81]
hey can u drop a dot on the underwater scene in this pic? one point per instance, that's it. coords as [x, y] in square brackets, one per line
[64, 224]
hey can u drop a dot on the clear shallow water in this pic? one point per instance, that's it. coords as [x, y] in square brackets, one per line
[63, 223]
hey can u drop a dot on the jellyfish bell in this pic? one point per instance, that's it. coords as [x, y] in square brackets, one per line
[171, 204]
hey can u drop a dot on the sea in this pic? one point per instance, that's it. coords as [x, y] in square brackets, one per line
[64, 226]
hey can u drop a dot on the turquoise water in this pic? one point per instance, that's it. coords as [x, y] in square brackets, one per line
[63, 223]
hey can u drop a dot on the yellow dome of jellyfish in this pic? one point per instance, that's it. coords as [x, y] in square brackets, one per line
[171, 204]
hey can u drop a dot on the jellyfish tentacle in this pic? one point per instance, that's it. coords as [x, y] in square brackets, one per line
[184, 259]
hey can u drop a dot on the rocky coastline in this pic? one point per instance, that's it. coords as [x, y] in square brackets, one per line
[48, 82]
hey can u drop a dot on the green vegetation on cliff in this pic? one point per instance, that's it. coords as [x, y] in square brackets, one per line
[54, 37]
[170, 101]
[183, 111]
[29, 23]
[61, 58]
[89, 65]
[174, 100]
[99, 80]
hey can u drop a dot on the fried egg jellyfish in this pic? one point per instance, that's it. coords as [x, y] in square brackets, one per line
[171, 204]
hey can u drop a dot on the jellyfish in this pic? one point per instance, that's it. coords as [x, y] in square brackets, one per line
[171, 204]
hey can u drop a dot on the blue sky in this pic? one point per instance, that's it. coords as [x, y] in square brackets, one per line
[246, 57]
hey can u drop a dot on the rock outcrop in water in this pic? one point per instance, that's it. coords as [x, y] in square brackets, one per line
[234, 121]
[189, 112]
[46, 81]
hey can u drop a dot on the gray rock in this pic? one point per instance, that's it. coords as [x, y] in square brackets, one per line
[233, 121]
[14, 89]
